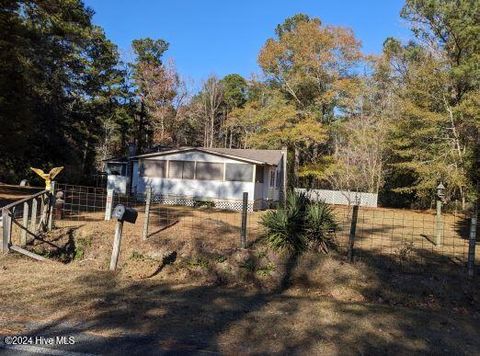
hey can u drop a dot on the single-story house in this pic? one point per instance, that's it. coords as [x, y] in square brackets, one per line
[221, 175]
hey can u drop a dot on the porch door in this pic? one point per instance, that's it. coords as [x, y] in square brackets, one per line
[271, 183]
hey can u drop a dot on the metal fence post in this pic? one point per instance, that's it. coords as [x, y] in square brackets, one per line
[51, 205]
[438, 224]
[471, 244]
[7, 230]
[243, 230]
[353, 229]
[146, 221]
[109, 204]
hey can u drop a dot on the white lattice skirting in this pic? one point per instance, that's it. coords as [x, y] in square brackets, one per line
[235, 205]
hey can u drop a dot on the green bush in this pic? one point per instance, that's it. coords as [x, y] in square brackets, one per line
[204, 204]
[320, 225]
[300, 224]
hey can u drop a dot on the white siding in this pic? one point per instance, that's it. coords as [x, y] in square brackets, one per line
[200, 189]
[210, 189]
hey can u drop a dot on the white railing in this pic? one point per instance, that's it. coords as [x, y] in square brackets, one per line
[341, 197]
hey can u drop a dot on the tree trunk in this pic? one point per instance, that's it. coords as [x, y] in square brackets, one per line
[296, 165]
[212, 129]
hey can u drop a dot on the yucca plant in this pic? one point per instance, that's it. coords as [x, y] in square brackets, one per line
[284, 227]
[320, 226]
[299, 224]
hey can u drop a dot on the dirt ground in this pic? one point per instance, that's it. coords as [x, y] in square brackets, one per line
[328, 306]
[191, 288]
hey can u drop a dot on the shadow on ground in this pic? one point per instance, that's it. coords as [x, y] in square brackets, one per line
[322, 305]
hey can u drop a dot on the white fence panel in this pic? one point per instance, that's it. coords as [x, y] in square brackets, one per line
[341, 197]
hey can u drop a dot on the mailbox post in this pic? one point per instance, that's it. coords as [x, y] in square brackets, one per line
[122, 214]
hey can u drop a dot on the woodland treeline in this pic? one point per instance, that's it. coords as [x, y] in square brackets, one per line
[397, 123]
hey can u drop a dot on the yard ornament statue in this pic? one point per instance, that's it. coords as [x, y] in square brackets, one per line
[47, 177]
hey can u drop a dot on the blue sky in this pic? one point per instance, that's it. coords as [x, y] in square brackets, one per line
[221, 37]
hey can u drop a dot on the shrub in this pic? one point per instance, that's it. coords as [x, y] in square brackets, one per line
[320, 226]
[203, 204]
[300, 224]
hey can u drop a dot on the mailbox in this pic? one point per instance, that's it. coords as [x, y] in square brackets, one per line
[122, 213]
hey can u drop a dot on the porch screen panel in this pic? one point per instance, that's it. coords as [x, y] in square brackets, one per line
[188, 170]
[154, 169]
[181, 169]
[209, 171]
[175, 169]
[239, 172]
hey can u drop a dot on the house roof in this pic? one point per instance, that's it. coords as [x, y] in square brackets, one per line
[270, 157]
[116, 160]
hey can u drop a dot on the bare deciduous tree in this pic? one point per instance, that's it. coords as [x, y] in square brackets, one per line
[211, 99]
[358, 156]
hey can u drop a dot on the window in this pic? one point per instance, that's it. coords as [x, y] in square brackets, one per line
[272, 178]
[238, 172]
[259, 174]
[209, 171]
[117, 169]
[278, 178]
[181, 169]
[153, 169]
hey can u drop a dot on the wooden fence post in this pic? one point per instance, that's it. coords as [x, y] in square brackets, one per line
[7, 230]
[472, 241]
[51, 205]
[43, 212]
[243, 230]
[353, 229]
[109, 204]
[33, 216]
[146, 221]
[26, 209]
[116, 245]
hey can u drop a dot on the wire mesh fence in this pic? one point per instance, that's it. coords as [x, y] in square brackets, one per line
[205, 225]
[396, 234]
[407, 235]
